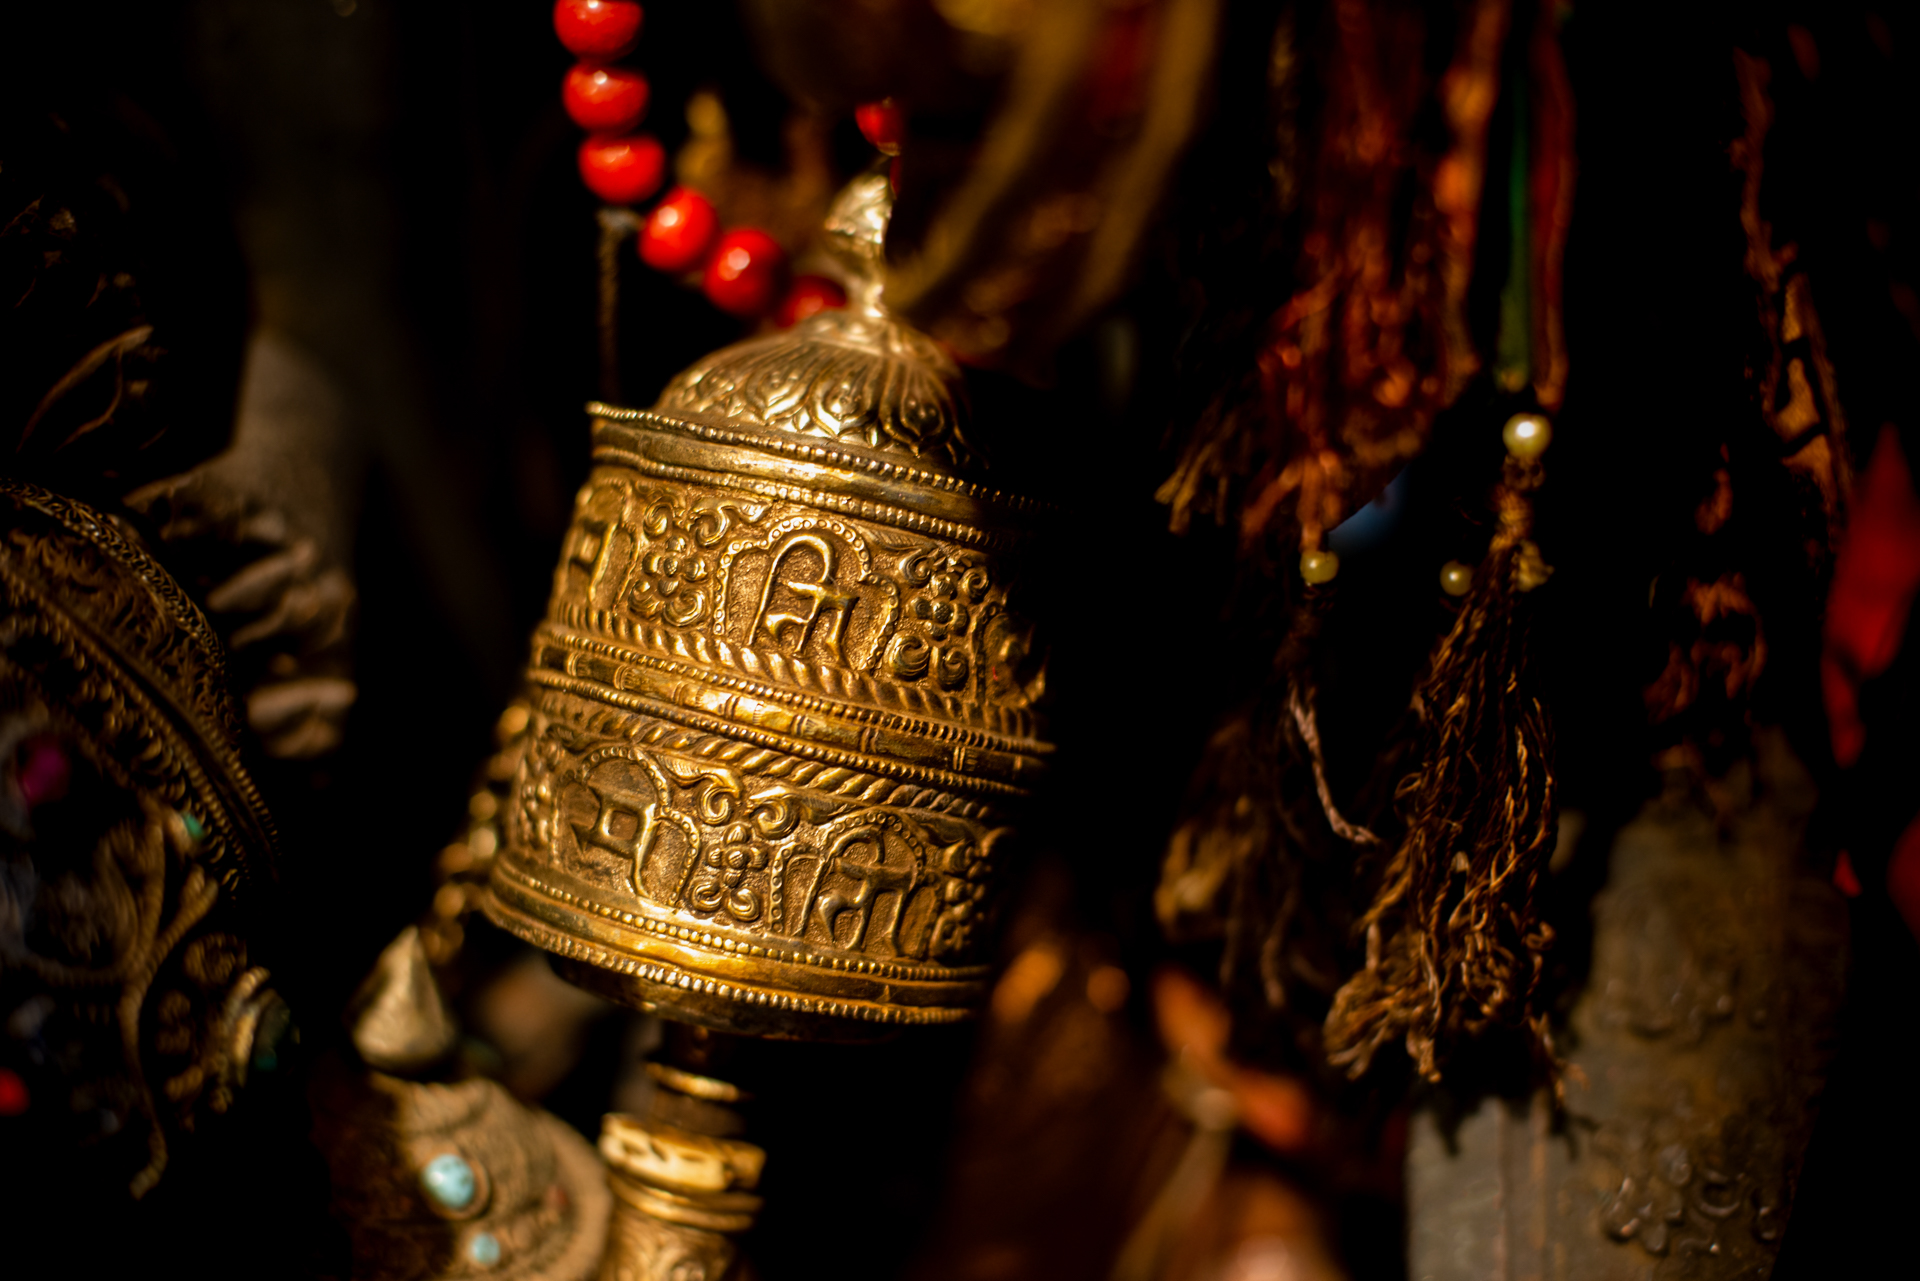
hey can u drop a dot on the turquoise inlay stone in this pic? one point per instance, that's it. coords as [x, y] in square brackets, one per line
[483, 1249]
[449, 1180]
[275, 1027]
[195, 828]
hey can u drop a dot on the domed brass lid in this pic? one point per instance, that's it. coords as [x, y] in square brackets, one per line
[784, 694]
[854, 375]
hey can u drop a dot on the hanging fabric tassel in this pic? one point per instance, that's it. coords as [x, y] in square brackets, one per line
[1453, 943]
[1373, 339]
[1351, 372]
[1261, 861]
[1232, 871]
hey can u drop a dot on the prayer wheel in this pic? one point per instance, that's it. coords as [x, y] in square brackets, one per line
[783, 696]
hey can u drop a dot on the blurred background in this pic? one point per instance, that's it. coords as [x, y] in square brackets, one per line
[361, 225]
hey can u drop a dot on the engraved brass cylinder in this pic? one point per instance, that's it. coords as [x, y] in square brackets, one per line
[782, 700]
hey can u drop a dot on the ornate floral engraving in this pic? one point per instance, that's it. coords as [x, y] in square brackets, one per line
[859, 379]
[779, 582]
[824, 869]
[642, 551]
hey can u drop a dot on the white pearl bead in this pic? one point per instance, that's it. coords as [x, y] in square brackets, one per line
[1527, 436]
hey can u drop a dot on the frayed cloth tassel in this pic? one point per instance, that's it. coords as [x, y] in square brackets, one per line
[1454, 944]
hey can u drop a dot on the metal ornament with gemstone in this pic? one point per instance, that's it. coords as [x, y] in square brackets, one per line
[783, 697]
[133, 842]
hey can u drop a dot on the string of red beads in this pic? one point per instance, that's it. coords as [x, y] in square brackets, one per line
[883, 124]
[743, 270]
[599, 30]
[680, 232]
[605, 99]
[617, 164]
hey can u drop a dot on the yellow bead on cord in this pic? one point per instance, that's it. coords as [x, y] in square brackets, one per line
[1318, 567]
[1527, 436]
[1455, 578]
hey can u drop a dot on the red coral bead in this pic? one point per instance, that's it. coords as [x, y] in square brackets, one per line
[679, 232]
[747, 272]
[41, 770]
[604, 99]
[808, 295]
[14, 1099]
[599, 29]
[883, 124]
[623, 171]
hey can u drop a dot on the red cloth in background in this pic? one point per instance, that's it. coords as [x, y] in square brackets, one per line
[1874, 581]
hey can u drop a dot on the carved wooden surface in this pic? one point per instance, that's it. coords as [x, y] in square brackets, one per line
[1699, 1048]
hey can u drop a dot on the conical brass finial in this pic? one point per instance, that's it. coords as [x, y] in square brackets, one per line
[856, 230]
[400, 1021]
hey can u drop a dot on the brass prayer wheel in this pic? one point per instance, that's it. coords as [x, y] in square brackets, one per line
[782, 700]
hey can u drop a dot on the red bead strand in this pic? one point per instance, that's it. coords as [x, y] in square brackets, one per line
[604, 99]
[623, 171]
[809, 294]
[680, 232]
[601, 30]
[14, 1096]
[747, 273]
[883, 124]
[744, 271]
